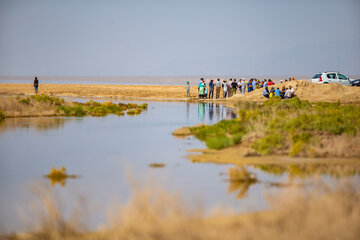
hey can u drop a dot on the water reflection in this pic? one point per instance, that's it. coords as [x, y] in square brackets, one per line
[214, 112]
[240, 180]
[211, 111]
[201, 111]
[38, 123]
[305, 170]
[59, 176]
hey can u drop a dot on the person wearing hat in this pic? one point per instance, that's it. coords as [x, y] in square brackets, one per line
[187, 87]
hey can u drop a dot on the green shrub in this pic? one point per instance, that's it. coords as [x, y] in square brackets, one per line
[2, 115]
[143, 106]
[134, 111]
[78, 111]
[99, 111]
[45, 98]
[25, 101]
[269, 144]
[131, 105]
[64, 110]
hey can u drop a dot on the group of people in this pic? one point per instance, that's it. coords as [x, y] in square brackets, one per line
[231, 87]
[285, 93]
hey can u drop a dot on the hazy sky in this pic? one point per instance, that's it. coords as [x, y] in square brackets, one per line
[162, 38]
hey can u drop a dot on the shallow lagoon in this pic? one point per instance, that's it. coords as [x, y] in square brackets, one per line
[109, 152]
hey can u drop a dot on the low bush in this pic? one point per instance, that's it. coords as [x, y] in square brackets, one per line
[25, 101]
[285, 125]
[2, 115]
[45, 98]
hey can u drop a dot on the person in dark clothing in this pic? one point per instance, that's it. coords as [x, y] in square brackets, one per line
[36, 85]
[234, 87]
[266, 92]
[211, 89]
[282, 93]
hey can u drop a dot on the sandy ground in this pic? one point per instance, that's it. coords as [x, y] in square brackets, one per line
[313, 92]
[304, 90]
[150, 92]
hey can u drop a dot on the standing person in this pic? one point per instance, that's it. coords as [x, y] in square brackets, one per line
[229, 84]
[234, 87]
[266, 83]
[254, 85]
[211, 89]
[249, 85]
[201, 89]
[243, 86]
[201, 80]
[187, 89]
[206, 91]
[36, 85]
[218, 86]
[225, 88]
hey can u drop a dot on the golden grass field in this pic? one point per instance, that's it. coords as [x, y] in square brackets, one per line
[87, 90]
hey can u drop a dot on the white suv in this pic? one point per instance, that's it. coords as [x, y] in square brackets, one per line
[331, 77]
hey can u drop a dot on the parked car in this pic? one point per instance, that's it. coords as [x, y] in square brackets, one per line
[355, 83]
[331, 77]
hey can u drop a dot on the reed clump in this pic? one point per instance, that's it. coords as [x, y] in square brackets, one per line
[293, 127]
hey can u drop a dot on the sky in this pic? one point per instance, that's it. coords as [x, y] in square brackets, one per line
[178, 38]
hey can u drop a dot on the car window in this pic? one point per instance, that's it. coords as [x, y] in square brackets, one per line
[316, 76]
[331, 75]
[343, 77]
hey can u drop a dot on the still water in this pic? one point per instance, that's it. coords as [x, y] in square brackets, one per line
[105, 151]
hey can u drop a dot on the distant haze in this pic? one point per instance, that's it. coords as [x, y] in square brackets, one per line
[179, 38]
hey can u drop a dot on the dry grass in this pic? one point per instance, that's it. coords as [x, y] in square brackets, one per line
[150, 92]
[13, 107]
[321, 213]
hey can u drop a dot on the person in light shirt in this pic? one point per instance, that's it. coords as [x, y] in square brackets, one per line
[287, 93]
[292, 90]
